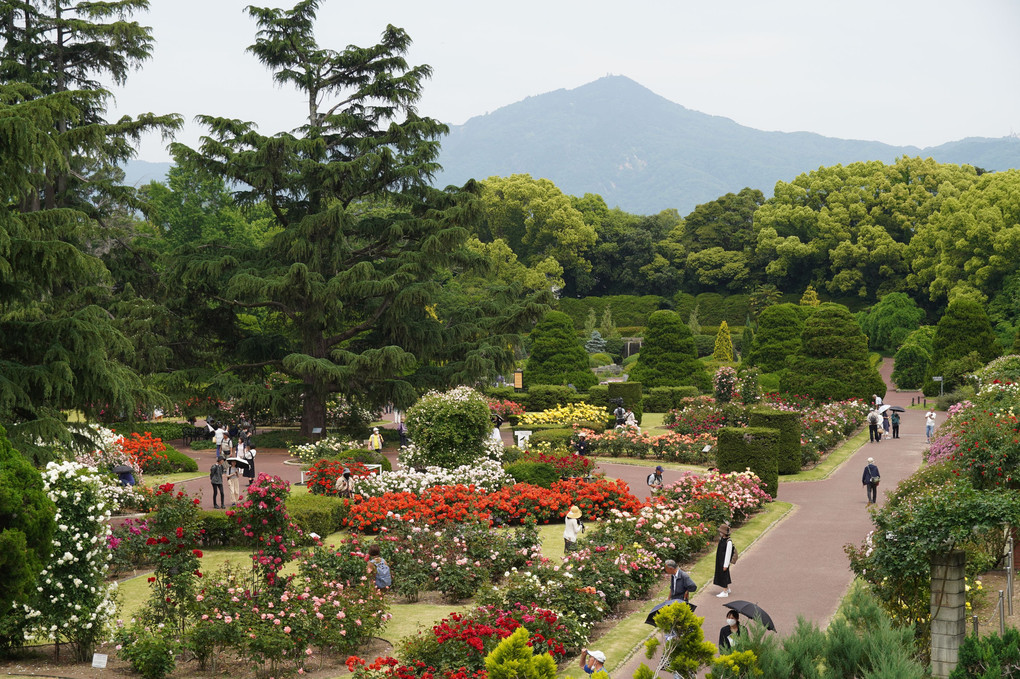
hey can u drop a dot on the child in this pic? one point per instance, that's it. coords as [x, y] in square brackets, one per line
[377, 564]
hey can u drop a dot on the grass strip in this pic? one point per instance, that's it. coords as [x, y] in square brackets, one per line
[832, 461]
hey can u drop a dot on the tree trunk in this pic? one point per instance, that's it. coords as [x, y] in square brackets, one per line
[314, 412]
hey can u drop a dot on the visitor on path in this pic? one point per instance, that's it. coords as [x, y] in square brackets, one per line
[345, 484]
[621, 415]
[402, 432]
[723, 559]
[581, 445]
[870, 479]
[216, 473]
[497, 421]
[895, 425]
[234, 482]
[929, 423]
[593, 663]
[572, 526]
[378, 565]
[873, 420]
[729, 632]
[218, 435]
[375, 441]
[886, 423]
[249, 471]
[878, 399]
[681, 586]
[655, 479]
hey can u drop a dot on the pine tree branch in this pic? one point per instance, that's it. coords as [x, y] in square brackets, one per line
[240, 366]
[360, 327]
[258, 305]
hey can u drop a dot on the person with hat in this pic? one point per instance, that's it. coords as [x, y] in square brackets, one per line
[870, 480]
[345, 484]
[572, 527]
[655, 478]
[375, 441]
[723, 558]
[593, 663]
[581, 444]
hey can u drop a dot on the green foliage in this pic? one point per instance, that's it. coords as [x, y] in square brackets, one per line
[558, 437]
[963, 342]
[176, 461]
[556, 355]
[365, 457]
[832, 361]
[319, 514]
[625, 310]
[685, 650]
[891, 321]
[595, 344]
[165, 431]
[151, 652]
[513, 658]
[989, 657]
[535, 473]
[668, 355]
[777, 337]
[599, 360]
[754, 448]
[448, 429]
[599, 396]
[630, 393]
[910, 365]
[723, 344]
[26, 530]
[787, 423]
[810, 297]
[664, 399]
[546, 396]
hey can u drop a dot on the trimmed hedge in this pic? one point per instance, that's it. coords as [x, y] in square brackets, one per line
[754, 448]
[282, 438]
[218, 530]
[787, 423]
[535, 473]
[558, 437]
[630, 392]
[176, 461]
[319, 514]
[546, 396]
[664, 399]
[599, 396]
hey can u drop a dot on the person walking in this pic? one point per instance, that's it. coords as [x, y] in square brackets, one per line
[681, 586]
[723, 558]
[402, 432]
[870, 479]
[929, 423]
[218, 435]
[895, 424]
[571, 528]
[375, 441]
[873, 420]
[886, 424]
[234, 482]
[216, 473]
[249, 471]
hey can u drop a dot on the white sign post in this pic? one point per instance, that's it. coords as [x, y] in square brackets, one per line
[99, 660]
[522, 437]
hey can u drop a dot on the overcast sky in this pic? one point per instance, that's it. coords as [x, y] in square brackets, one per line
[904, 72]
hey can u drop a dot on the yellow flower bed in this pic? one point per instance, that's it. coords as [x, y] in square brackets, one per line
[567, 415]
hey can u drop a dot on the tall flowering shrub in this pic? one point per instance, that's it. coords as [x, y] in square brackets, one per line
[263, 519]
[174, 538]
[448, 428]
[74, 600]
[672, 446]
[330, 446]
[724, 382]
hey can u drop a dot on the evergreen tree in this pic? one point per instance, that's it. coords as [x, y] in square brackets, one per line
[963, 330]
[810, 297]
[513, 658]
[692, 321]
[832, 362]
[889, 322]
[778, 337]
[60, 351]
[595, 343]
[26, 529]
[723, 343]
[669, 357]
[608, 327]
[351, 278]
[590, 323]
[1015, 349]
[557, 356]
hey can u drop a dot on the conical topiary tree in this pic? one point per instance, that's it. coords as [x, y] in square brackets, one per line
[778, 336]
[669, 357]
[832, 362]
[723, 343]
[810, 297]
[963, 330]
[557, 356]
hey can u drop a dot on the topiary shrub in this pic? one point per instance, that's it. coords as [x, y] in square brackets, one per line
[448, 428]
[754, 448]
[787, 423]
[546, 396]
[319, 514]
[668, 356]
[599, 396]
[723, 350]
[832, 361]
[630, 392]
[557, 437]
[535, 473]
[777, 337]
[963, 330]
[557, 356]
[664, 399]
[26, 531]
[219, 530]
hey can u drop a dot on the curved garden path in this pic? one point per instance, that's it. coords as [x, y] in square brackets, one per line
[798, 568]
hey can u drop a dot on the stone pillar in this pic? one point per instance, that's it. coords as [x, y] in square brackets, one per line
[948, 610]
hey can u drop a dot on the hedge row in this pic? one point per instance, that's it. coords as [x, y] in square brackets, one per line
[754, 448]
[319, 514]
[542, 397]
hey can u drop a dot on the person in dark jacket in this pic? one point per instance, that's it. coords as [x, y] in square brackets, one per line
[895, 419]
[728, 632]
[870, 480]
[723, 558]
[681, 586]
[581, 446]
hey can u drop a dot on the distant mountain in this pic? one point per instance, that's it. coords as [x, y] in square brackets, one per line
[644, 153]
[141, 172]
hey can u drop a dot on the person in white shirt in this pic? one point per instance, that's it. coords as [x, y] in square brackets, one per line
[929, 423]
[218, 435]
[572, 526]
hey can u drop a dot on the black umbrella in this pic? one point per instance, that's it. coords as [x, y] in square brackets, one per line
[122, 469]
[753, 611]
[650, 620]
[239, 461]
[898, 409]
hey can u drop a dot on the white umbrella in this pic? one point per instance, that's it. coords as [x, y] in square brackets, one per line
[882, 409]
[239, 461]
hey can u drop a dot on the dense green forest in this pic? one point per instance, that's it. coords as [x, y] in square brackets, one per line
[318, 266]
